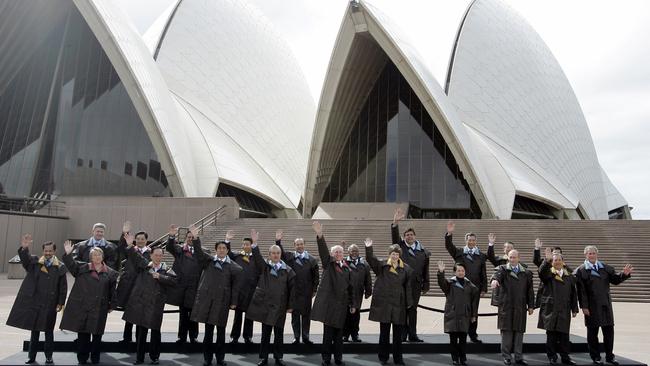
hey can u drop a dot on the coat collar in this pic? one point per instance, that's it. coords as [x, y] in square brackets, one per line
[54, 262]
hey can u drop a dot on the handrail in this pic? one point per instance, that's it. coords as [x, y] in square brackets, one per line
[32, 205]
[206, 220]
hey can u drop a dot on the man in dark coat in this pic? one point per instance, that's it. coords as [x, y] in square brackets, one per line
[147, 301]
[559, 303]
[307, 279]
[491, 256]
[414, 254]
[593, 279]
[361, 283]
[188, 272]
[334, 297]
[82, 249]
[129, 272]
[475, 270]
[89, 302]
[391, 299]
[537, 260]
[216, 295]
[461, 309]
[516, 298]
[272, 300]
[41, 295]
[249, 281]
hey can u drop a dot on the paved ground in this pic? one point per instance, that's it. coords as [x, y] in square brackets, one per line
[631, 341]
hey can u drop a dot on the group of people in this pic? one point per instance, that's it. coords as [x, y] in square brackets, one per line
[265, 288]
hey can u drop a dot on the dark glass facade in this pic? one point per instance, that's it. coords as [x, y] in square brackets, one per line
[67, 125]
[252, 205]
[395, 153]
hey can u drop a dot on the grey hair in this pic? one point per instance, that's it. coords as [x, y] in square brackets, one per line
[99, 225]
[96, 249]
[514, 250]
[298, 239]
[353, 246]
[275, 247]
[332, 249]
[589, 248]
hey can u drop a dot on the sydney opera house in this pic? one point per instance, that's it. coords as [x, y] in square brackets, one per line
[210, 101]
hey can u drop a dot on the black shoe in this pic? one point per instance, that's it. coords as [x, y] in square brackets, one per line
[222, 363]
[307, 341]
[234, 341]
[339, 363]
[507, 362]
[521, 362]
[248, 341]
[325, 363]
[154, 362]
[415, 339]
[138, 362]
[193, 341]
[463, 363]
[399, 363]
[49, 360]
[455, 363]
[597, 362]
[612, 361]
[475, 340]
[279, 362]
[125, 341]
[568, 361]
[181, 341]
[31, 360]
[552, 360]
[346, 339]
[95, 361]
[82, 362]
[383, 362]
[207, 363]
[356, 339]
[263, 362]
[296, 341]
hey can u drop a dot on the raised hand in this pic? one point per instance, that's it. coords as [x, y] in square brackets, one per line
[538, 244]
[627, 270]
[318, 228]
[194, 230]
[398, 215]
[494, 284]
[173, 230]
[126, 227]
[441, 266]
[368, 242]
[450, 227]
[492, 238]
[230, 234]
[129, 238]
[26, 241]
[67, 246]
[255, 235]
[278, 234]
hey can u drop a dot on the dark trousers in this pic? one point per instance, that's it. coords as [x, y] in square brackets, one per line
[351, 327]
[332, 344]
[219, 347]
[33, 344]
[278, 341]
[127, 335]
[185, 325]
[457, 341]
[87, 347]
[608, 342]
[557, 342]
[141, 345]
[235, 332]
[411, 323]
[300, 324]
[472, 330]
[384, 342]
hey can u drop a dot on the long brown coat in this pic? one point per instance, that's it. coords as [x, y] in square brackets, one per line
[461, 304]
[392, 291]
[335, 293]
[418, 260]
[516, 297]
[593, 293]
[128, 274]
[147, 301]
[188, 273]
[307, 278]
[218, 289]
[361, 280]
[274, 293]
[90, 298]
[249, 278]
[41, 291]
[558, 300]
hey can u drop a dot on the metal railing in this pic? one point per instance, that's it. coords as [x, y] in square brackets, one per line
[209, 219]
[32, 206]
